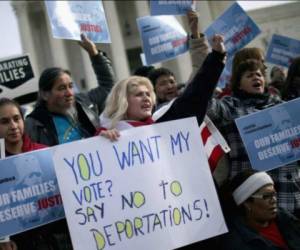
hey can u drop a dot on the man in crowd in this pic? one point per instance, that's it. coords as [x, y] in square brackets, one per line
[60, 116]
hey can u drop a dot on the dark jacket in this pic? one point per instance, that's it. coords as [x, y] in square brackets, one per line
[241, 237]
[39, 124]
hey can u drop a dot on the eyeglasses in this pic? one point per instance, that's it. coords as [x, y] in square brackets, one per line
[266, 196]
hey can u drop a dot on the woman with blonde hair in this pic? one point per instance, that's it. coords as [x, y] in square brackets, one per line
[132, 100]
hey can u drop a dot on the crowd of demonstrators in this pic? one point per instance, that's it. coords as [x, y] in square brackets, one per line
[132, 100]
[253, 218]
[163, 79]
[252, 200]
[292, 84]
[59, 116]
[249, 95]
[277, 81]
[51, 236]
[167, 90]
[62, 116]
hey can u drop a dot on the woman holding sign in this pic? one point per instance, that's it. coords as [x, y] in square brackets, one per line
[254, 221]
[131, 102]
[249, 95]
[51, 236]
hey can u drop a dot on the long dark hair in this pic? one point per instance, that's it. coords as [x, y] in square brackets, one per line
[47, 80]
[6, 101]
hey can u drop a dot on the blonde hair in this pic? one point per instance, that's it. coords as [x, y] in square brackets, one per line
[116, 103]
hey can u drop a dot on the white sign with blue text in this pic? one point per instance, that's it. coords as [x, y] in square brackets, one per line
[282, 50]
[163, 38]
[29, 194]
[152, 189]
[170, 7]
[272, 136]
[68, 19]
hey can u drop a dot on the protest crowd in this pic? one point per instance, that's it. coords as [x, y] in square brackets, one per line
[261, 208]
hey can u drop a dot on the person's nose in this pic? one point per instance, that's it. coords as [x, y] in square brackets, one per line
[170, 85]
[13, 124]
[273, 199]
[69, 92]
[146, 97]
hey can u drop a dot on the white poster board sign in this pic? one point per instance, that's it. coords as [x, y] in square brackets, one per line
[152, 189]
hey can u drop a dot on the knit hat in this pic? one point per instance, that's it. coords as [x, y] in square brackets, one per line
[250, 186]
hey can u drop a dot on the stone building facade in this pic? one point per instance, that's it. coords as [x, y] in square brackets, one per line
[125, 49]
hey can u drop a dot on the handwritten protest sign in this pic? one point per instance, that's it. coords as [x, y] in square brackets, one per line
[163, 38]
[15, 77]
[238, 30]
[272, 136]
[29, 195]
[150, 190]
[282, 50]
[70, 18]
[169, 7]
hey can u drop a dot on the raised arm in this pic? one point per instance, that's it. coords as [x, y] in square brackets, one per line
[197, 43]
[194, 100]
[104, 73]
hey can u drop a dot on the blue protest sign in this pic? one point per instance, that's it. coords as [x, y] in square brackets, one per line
[237, 28]
[272, 136]
[163, 38]
[282, 50]
[70, 18]
[29, 194]
[167, 7]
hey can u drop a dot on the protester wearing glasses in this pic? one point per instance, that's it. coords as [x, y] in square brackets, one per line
[253, 218]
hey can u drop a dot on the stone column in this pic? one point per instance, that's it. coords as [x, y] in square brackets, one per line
[20, 8]
[117, 48]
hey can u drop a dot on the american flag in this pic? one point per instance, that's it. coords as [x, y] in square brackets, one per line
[214, 143]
